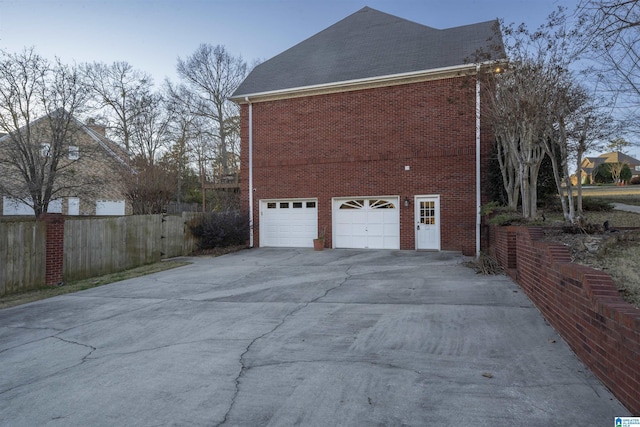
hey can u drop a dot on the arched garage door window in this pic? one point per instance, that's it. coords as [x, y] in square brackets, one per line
[371, 223]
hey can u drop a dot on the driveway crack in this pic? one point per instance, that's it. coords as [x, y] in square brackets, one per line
[244, 368]
[54, 373]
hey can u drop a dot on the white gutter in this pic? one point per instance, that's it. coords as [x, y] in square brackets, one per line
[478, 192]
[246, 98]
[366, 80]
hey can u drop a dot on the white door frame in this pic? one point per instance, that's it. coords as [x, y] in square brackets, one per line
[416, 219]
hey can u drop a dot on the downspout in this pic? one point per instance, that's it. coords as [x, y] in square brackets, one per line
[246, 98]
[478, 192]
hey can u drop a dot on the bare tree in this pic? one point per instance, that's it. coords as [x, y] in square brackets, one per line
[149, 127]
[184, 127]
[577, 125]
[150, 189]
[118, 90]
[610, 38]
[539, 108]
[212, 75]
[38, 100]
[517, 114]
[615, 168]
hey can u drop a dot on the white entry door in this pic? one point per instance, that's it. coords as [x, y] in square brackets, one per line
[367, 223]
[427, 216]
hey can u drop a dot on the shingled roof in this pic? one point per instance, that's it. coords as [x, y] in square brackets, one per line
[369, 44]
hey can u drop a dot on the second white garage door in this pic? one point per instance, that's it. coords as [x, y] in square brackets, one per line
[371, 223]
[288, 223]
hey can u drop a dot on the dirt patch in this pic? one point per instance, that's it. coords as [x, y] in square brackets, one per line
[615, 252]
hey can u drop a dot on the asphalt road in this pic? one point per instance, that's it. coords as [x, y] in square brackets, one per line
[268, 337]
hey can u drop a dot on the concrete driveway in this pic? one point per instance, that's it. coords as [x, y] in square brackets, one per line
[296, 337]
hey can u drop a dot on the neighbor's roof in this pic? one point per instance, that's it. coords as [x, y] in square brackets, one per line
[103, 142]
[369, 44]
[616, 156]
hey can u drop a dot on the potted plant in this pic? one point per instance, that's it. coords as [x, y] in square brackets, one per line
[318, 244]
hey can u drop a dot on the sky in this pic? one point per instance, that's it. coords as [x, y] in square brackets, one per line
[152, 34]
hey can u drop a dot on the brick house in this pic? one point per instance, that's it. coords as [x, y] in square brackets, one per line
[370, 133]
[91, 174]
[590, 165]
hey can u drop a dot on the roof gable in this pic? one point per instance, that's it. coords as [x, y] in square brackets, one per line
[111, 148]
[369, 44]
[618, 157]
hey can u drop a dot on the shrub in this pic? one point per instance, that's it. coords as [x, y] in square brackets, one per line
[221, 229]
[625, 173]
[591, 204]
[603, 174]
[500, 215]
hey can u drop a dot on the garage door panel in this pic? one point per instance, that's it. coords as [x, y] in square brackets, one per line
[371, 223]
[288, 223]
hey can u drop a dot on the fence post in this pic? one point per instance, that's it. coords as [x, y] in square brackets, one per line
[54, 247]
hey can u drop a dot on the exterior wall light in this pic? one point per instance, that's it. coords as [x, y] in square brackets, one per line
[407, 202]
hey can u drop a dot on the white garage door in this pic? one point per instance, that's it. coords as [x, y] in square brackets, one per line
[372, 223]
[110, 207]
[288, 223]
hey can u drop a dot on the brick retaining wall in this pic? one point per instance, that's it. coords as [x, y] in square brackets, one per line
[581, 303]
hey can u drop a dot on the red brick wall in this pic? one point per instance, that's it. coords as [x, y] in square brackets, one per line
[358, 144]
[582, 304]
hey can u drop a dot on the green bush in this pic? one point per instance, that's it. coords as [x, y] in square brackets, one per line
[603, 174]
[625, 173]
[221, 229]
[590, 204]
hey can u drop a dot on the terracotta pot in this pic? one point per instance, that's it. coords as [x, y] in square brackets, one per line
[318, 244]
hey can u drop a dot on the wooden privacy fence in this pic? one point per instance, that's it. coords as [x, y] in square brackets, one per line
[91, 247]
[22, 255]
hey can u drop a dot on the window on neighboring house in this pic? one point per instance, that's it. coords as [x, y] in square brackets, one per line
[45, 149]
[74, 152]
[638, 167]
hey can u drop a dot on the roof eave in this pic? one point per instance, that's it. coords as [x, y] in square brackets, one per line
[355, 84]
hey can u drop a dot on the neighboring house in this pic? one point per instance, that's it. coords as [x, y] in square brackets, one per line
[369, 133]
[590, 165]
[95, 171]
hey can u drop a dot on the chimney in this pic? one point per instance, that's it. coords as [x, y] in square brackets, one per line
[97, 128]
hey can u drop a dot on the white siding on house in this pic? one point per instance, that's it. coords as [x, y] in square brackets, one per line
[17, 207]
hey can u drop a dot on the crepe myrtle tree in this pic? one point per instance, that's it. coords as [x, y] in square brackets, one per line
[38, 101]
[537, 108]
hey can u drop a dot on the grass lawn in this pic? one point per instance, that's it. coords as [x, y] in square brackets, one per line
[626, 199]
[81, 285]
